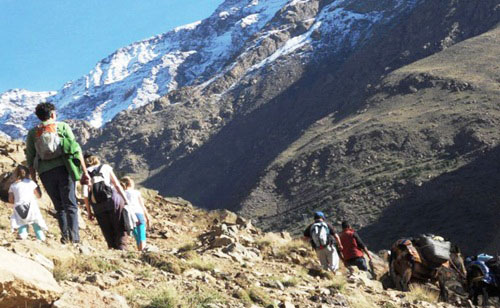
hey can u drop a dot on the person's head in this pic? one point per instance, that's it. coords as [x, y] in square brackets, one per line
[127, 182]
[21, 172]
[45, 111]
[319, 215]
[91, 160]
[346, 225]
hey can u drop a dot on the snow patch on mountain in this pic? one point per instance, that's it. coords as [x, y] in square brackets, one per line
[15, 107]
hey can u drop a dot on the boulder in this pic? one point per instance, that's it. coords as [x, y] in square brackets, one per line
[239, 252]
[24, 282]
[221, 241]
[228, 217]
[286, 236]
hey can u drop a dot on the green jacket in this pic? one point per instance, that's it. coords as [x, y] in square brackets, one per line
[70, 158]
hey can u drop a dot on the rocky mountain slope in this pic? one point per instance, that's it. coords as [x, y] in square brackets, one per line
[356, 128]
[276, 108]
[196, 259]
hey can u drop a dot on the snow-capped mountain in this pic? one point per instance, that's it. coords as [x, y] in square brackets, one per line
[198, 53]
[15, 107]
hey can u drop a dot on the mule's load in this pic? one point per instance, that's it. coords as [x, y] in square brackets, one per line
[434, 249]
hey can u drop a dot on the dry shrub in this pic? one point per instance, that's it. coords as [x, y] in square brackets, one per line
[244, 297]
[421, 293]
[338, 283]
[65, 267]
[187, 247]
[290, 281]
[189, 255]
[200, 264]
[204, 297]
[163, 296]
[166, 298]
[260, 297]
[315, 272]
[271, 240]
[164, 262]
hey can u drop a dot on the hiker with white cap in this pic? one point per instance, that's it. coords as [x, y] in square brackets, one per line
[321, 235]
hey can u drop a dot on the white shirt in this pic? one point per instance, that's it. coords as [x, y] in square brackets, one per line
[24, 191]
[133, 197]
[106, 171]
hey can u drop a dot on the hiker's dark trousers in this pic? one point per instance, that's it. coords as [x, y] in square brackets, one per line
[61, 189]
[359, 262]
[111, 223]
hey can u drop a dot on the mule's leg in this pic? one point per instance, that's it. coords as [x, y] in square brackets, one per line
[443, 292]
[394, 275]
[484, 290]
[405, 279]
[473, 294]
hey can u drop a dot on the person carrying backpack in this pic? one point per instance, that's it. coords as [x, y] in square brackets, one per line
[353, 248]
[107, 199]
[321, 235]
[52, 151]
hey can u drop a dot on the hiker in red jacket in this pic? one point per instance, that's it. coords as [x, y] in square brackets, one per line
[353, 247]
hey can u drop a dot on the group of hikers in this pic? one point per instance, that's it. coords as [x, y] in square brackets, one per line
[330, 247]
[53, 153]
[426, 257]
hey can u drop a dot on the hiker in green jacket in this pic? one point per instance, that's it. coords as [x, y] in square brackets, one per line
[52, 151]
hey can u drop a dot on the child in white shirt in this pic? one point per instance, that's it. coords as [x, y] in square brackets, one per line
[136, 205]
[23, 194]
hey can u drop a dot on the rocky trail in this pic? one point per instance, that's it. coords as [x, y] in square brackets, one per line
[196, 258]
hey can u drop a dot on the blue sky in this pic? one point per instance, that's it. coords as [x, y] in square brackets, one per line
[45, 43]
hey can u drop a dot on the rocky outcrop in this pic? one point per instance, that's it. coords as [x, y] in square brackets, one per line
[24, 282]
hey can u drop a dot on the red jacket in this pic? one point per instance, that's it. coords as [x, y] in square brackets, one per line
[351, 248]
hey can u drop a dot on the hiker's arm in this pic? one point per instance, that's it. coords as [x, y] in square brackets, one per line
[69, 134]
[367, 253]
[85, 175]
[362, 245]
[307, 234]
[339, 243]
[146, 214]
[37, 192]
[117, 186]
[89, 210]
[11, 198]
[30, 153]
[86, 191]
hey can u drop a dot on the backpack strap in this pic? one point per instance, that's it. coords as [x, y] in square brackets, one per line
[99, 169]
